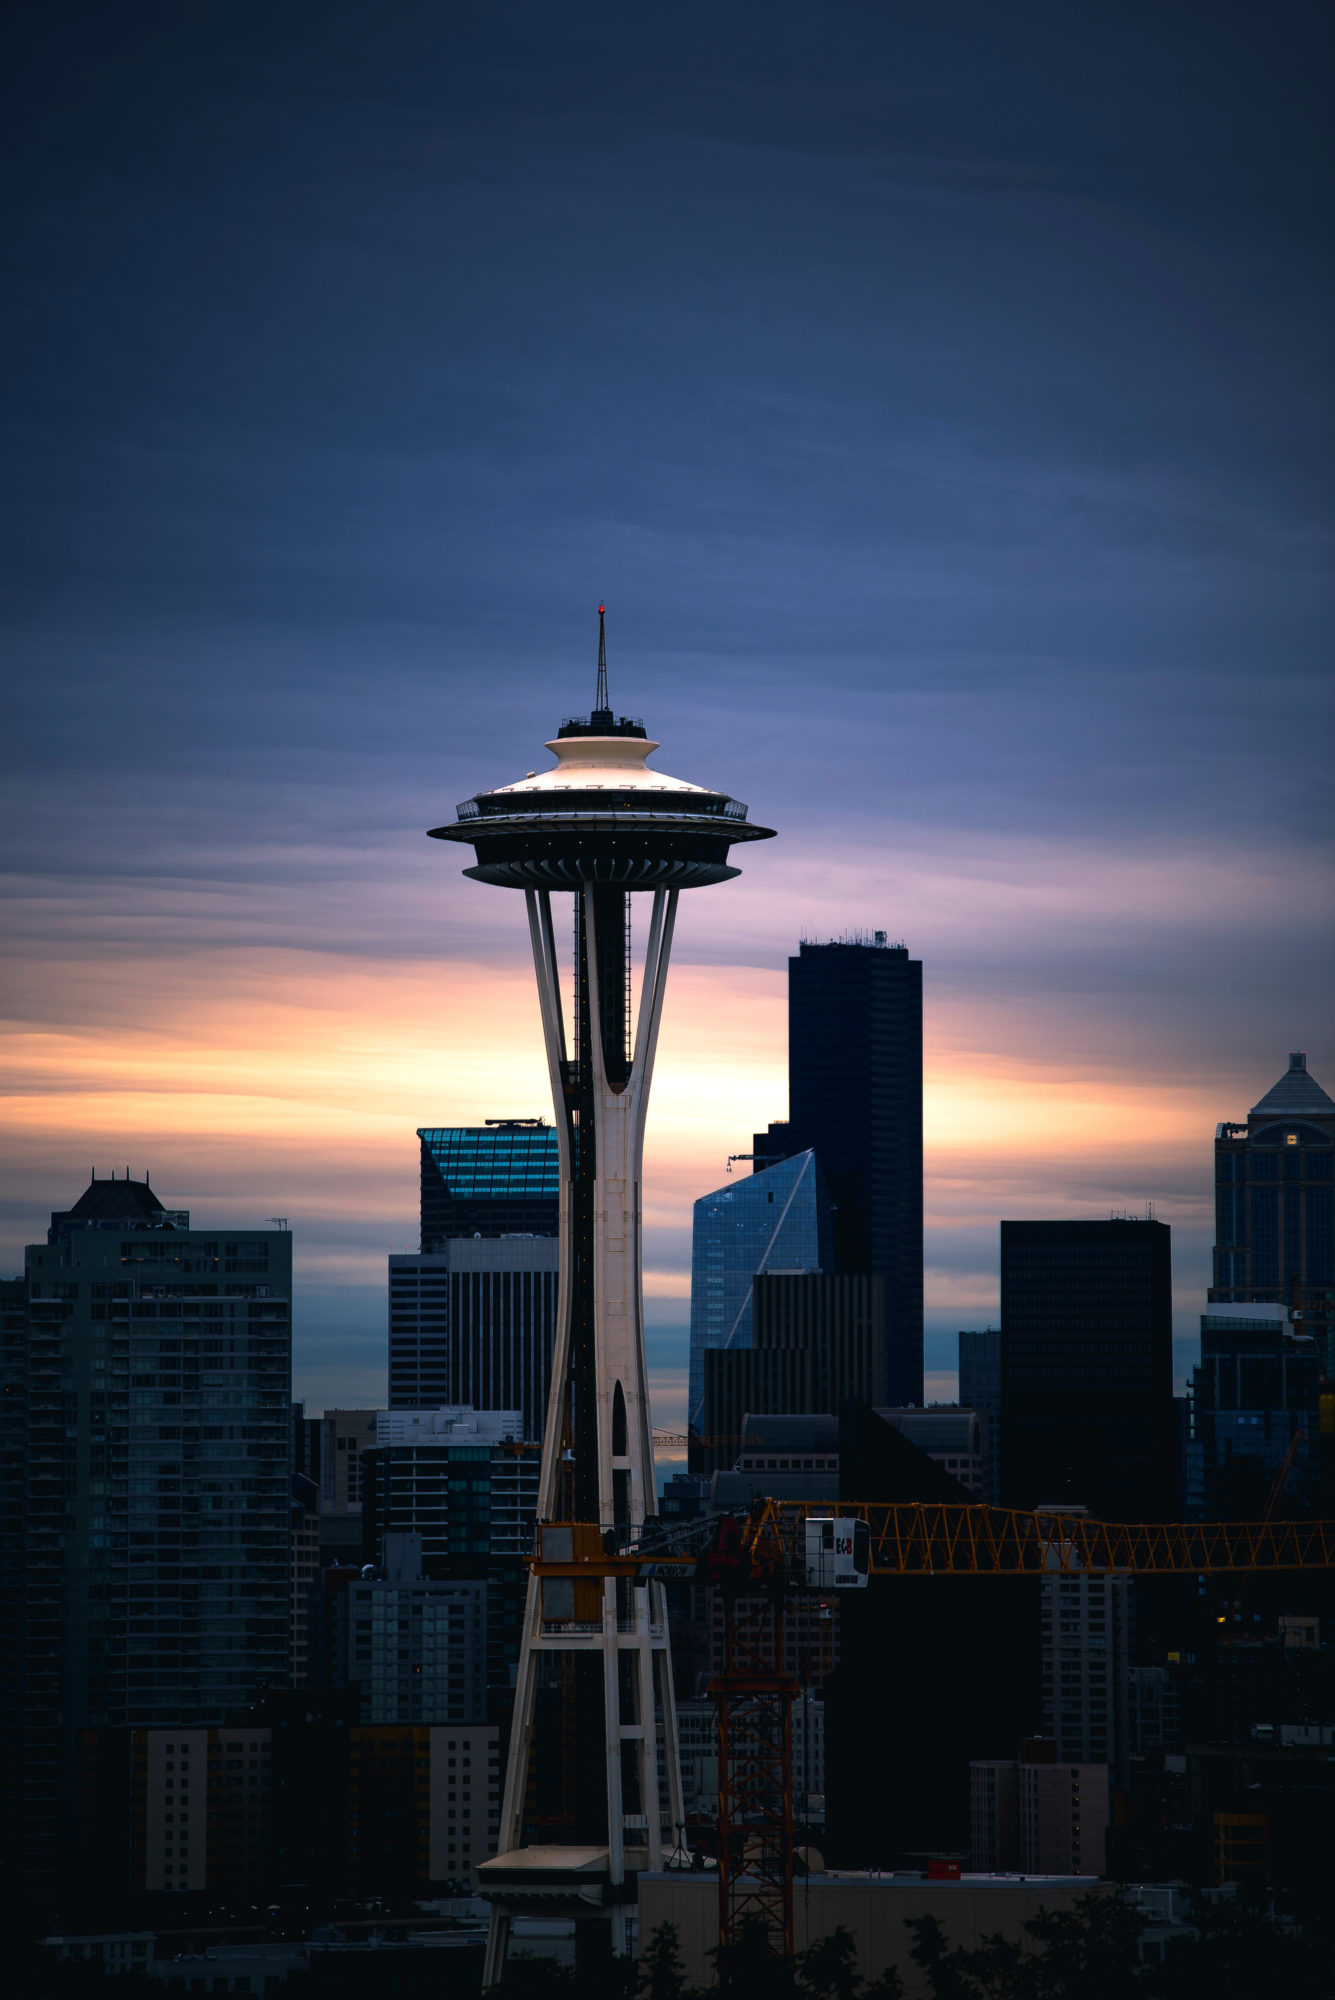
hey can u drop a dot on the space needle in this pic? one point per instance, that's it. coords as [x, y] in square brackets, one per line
[600, 826]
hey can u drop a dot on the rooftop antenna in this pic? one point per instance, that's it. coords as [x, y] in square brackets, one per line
[602, 701]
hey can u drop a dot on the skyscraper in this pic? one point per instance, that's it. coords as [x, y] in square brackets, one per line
[1086, 1357]
[775, 1220]
[855, 1096]
[157, 1457]
[1275, 1205]
[474, 1323]
[498, 1179]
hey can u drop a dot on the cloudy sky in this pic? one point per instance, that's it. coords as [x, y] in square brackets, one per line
[940, 396]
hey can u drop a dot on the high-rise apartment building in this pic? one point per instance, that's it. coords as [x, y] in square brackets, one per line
[855, 1098]
[473, 1323]
[1087, 1384]
[328, 1450]
[980, 1389]
[416, 1647]
[1275, 1205]
[498, 1179]
[464, 1480]
[775, 1220]
[1087, 1655]
[157, 1489]
[1255, 1406]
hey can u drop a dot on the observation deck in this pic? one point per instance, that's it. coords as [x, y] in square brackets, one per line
[601, 815]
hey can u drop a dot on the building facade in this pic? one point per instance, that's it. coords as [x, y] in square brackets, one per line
[1087, 1384]
[498, 1179]
[1036, 1814]
[157, 1487]
[980, 1389]
[1087, 1654]
[1275, 1205]
[775, 1220]
[950, 1436]
[1255, 1399]
[416, 1647]
[855, 1098]
[818, 1342]
[474, 1323]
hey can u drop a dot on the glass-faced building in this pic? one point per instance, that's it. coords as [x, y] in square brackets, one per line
[498, 1179]
[777, 1220]
[1275, 1205]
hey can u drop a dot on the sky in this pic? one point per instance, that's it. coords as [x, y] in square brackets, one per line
[940, 397]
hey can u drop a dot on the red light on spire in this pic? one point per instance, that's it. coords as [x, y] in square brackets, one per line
[600, 610]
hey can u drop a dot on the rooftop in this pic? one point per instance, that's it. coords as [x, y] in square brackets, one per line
[1297, 1094]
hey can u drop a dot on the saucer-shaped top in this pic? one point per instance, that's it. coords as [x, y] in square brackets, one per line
[601, 815]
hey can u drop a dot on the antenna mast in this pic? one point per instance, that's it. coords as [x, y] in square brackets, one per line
[601, 702]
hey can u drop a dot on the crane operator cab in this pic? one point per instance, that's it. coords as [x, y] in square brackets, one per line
[838, 1554]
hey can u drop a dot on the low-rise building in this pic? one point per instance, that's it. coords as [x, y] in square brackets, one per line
[873, 1908]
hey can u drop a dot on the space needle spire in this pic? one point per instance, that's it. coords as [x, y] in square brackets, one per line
[600, 826]
[602, 705]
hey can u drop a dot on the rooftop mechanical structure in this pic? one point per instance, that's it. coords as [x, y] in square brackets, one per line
[600, 827]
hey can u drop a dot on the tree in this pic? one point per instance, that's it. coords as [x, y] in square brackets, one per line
[749, 1968]
[1085, 1953]
[828, 1969]
[1239, 1951]
[664, 1975]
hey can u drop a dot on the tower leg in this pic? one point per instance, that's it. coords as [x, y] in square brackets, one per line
[498, 1942]
[597, 1466]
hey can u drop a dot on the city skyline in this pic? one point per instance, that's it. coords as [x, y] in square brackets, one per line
[948, 447]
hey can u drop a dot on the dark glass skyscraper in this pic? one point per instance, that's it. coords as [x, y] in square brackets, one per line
[1275, 1205]
[777, 1220]
[855, 1097]
[1087, 1368]
[498, 1179]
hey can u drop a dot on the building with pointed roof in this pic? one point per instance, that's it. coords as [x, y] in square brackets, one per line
[1275, 1205]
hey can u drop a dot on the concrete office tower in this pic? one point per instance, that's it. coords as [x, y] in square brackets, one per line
[156, 1451]
[980, 1389]
[1087, 1371]
[475, 1324]
[1275, 1205]
[600, 826]
[498, 1179]
[855, 1095]
[777, 1219]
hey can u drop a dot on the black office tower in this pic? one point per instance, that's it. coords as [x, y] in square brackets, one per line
[1087, 1368]
[855, 1095]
